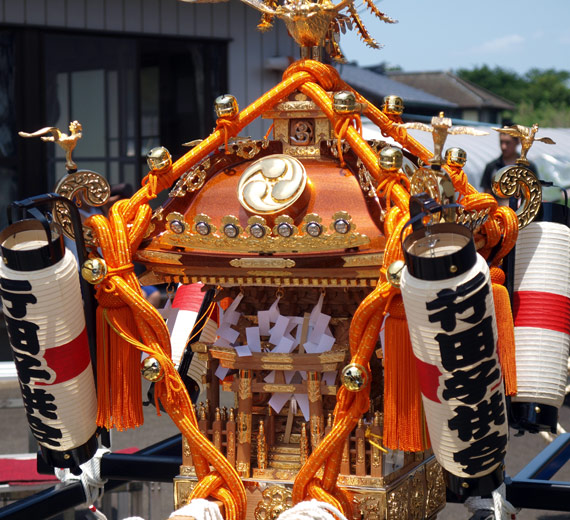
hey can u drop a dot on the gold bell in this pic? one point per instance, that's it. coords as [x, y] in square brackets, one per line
[394, 273]
[344, 102]
[455, 157]
[151, 370]
[354, 377]
[390, 159]
[158, 159]
[393, 105]
[94, 270]
[226, 106]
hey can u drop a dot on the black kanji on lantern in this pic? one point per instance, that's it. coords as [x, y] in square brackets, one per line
[474, 422]
[44, 433]
[484, 454]
[468, 356]
[447, 301]
[470, 386]
[40, 400]
[12, 291]
[465, 348]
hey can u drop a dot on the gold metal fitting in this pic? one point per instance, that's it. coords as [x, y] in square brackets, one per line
[393, 105]
[151, 370]
[94, 270]
[455, 157]
[394, 273]
[158, 159]
[390, 159]
[344, 102]
[354, 377]
[226, 105]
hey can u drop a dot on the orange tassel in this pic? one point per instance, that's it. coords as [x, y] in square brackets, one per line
[404, 421]
[118, 372]
[505, 330]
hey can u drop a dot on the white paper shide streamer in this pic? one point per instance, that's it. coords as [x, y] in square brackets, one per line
[43, 308]
[541, 309]
[454, 334]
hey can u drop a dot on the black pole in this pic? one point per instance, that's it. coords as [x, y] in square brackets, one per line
[149, 464]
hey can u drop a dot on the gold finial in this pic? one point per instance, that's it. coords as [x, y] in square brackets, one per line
[304, 444]
[394, 273]
[232, 415]
[390, 159]
[94, 270]
[218, 414]
[261, 447]
[226, 105]
[377, 419]
[344, 102]
[202, 412]
[159, 159]
[393, 106]
[526, 135]
[455, 157]
[151, 369]
[67, 142]
[354, 377]
[329, 420]
[440, 128]
[316, 24]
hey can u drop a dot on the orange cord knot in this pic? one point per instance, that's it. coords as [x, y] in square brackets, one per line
[323, 74]
[150, 181]
[341, 126]
[497, 275]
[229, 128]
[126, 268]
[386, 186]
[460, 181]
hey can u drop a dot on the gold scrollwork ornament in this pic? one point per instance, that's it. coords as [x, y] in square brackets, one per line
[94, 189]
[275, 500]
[520, 182]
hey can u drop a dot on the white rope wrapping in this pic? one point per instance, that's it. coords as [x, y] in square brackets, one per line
[90, 477]
[200, 509]
[502, 509]
[312, 510]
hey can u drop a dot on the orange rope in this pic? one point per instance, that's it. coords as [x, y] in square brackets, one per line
[128, 313]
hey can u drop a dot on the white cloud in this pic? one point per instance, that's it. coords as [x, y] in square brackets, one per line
[501, 44]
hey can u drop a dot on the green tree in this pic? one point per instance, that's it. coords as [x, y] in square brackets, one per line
[541, 96]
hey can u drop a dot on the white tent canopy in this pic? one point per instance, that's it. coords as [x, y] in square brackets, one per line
[552, 161]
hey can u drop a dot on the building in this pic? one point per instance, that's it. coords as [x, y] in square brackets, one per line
[135, 73]
[375, 85]
[471, 102]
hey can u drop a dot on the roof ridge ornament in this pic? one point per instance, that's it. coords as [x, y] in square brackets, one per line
[315, 24]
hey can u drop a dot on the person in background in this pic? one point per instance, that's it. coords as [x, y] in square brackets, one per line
[509, 155]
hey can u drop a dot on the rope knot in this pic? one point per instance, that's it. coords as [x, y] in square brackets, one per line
[324, 75]
[340, 128]
[229, 128]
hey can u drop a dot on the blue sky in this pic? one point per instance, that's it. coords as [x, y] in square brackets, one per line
[452, 34]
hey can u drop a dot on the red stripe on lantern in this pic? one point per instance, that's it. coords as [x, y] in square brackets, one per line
[429, 380]
[542, 310]
[68, 360]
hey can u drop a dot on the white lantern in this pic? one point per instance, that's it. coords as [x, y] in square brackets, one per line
[448, 298]
[43, 308]
[541, 311]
